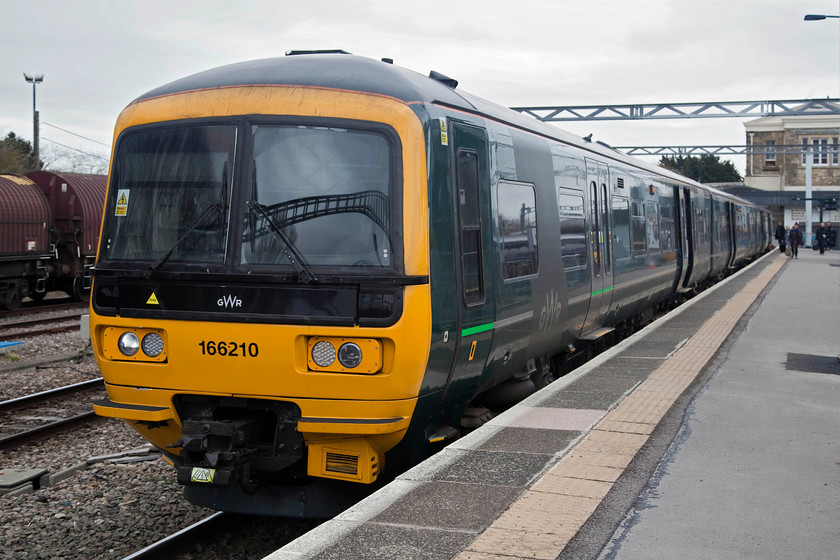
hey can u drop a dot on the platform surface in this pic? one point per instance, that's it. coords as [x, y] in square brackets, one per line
[714, 433]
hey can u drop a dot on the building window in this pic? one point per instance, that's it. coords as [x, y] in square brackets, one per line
[835, 152]
[770, 152]
[819, 151]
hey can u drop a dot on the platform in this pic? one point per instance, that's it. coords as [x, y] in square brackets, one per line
[708, 426]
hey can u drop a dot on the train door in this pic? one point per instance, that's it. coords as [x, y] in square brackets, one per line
[681, 199]
[474, 297]
[597, 179]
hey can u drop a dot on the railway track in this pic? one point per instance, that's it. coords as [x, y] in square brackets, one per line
[174, 544]
[34, 417]
[50, 306]
[35, 327]
[227, 535]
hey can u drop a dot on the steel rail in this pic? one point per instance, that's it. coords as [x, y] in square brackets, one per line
[35, 398]
[39, 432]
[169, 544]
[39, 332]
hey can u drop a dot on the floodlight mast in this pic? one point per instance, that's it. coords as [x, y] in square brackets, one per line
[35, 80]
[809, 160]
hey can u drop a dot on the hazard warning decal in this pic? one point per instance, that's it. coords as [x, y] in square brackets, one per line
[199, 474]
[122, 202]
[153, 300]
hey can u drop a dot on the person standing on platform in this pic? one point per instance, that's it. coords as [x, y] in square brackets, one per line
[821, 238]
[795, 240]
[780, 236]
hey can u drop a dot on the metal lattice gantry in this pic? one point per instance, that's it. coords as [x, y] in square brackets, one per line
[705, 110]
[732, 150]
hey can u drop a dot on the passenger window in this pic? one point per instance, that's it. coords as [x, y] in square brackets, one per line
[621, 227]
[470, 215]
[595, 229]
[572, 235]
[605, 223]
[517, 205]
[652, 211]
[638, 225]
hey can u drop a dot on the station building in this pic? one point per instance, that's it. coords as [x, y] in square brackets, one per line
[776, 172]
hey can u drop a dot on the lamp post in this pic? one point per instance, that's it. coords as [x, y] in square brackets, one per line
[35, 80]
[809, 155]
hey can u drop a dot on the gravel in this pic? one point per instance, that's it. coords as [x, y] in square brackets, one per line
[105, 507]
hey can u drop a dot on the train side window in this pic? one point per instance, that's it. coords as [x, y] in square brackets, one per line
[621, 227]
[572, 235]
[595, 229]
[605, 223]
[652, 228]
[517, 205]
[638, 228]
[666, 229]
[470, 215]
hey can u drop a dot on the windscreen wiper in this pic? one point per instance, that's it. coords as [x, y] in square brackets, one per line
[295, 258]
[161, 261]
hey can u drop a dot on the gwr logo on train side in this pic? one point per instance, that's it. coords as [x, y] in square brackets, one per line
[550, 314]
[229, 301]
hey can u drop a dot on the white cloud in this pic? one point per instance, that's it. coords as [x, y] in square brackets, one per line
[98, 55]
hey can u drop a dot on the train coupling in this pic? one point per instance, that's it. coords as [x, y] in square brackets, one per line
[223, 452]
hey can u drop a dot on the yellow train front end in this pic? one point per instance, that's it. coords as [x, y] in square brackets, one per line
[261, 306]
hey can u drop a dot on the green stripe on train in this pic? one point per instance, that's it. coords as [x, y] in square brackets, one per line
[477, 329]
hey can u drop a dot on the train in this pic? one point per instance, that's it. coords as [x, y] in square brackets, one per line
[49, 234]
[317, 269]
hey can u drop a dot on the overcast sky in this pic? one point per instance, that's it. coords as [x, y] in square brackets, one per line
[98, 55]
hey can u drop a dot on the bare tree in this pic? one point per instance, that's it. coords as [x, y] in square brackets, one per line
[62, 158]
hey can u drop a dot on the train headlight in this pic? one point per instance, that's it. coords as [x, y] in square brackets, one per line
[350, 355]
[336, 354]
[128, 344]
[152, 345]
[323, 353]
[125, 344]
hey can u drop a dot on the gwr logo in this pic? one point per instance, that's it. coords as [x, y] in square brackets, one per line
[551, 311]
[229, 301]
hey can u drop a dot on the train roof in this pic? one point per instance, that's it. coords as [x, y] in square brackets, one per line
[344, 71]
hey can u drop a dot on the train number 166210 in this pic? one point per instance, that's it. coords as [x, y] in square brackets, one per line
[233, 349]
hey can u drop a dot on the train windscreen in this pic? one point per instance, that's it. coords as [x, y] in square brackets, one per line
[320, 195]
[170, 196]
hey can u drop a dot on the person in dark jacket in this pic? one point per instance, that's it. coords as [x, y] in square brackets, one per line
[795, 240]
[822, 238]
[780, 236]
[830, 237]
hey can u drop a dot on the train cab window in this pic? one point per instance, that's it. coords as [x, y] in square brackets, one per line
[638, 230]
[467, 176]
[621, 227]
[170, 196]
[517, 204]
[572, 235]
